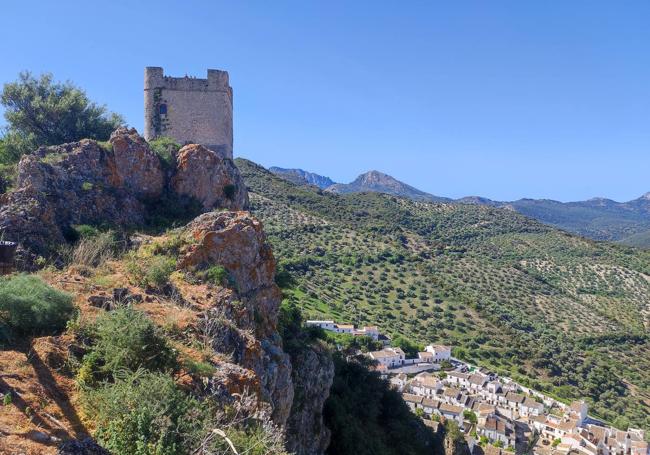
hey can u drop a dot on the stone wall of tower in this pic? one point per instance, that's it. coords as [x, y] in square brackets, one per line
[189, 110]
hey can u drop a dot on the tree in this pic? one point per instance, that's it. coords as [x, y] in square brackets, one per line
[410, 348]
[622, 423]
[470, 416]
[43, 112]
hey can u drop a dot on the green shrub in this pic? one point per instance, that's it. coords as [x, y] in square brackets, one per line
[198, 368]
[151, 271]
[86, 230]
[28, 306]
[126, 339]
[171, 210]
[8, 174]
[166, 148]
[216, 274]
[144, 414]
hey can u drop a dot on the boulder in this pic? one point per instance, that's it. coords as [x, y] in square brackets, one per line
[209, 178]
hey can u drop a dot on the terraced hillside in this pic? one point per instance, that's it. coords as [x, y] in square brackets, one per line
[561, 313]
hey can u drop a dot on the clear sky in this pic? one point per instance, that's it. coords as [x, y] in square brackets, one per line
[503, 99]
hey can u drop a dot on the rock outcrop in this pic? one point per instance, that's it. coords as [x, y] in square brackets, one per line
[76, 183]
[136, 167]
[112, 184]
[209, 178]
[313, 373]
[248, 332]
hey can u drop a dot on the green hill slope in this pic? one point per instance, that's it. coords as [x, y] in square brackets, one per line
[561, 313]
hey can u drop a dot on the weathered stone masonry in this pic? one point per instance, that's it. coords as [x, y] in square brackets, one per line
[189, 110]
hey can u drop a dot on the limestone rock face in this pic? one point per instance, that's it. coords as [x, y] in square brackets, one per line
[64, 185]
[136, 166]
[313, 373]
[87, 182]
[210, 178]
[236, 241]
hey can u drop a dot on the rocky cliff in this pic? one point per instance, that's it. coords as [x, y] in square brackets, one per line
[313, 374]
[116, 185]
[236, 241]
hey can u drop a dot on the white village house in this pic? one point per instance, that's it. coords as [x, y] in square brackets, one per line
[389, 357]
[439, 352]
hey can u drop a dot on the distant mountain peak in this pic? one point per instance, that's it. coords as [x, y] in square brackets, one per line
[378, 182]
[301, 177]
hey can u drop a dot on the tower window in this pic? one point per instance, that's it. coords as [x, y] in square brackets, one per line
[163, 109]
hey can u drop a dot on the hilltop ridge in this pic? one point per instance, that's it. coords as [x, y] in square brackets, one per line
[597, 218]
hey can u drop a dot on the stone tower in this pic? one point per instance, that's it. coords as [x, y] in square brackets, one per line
[188, 109]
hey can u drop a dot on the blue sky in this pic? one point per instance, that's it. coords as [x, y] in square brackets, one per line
[503, 99]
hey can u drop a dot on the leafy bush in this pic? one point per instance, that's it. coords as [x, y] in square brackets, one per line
[171, 210]
[410, 349]
[86, 231]
[125, 339]
[8, 174]
[151, 271]
[295, 337]
[144, 414]
[148, 414]
[166, 149]
[28, 306]
[216, 274]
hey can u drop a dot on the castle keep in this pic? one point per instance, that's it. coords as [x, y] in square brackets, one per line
[188, 109]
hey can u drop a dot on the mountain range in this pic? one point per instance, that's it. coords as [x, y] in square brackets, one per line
[597, 218]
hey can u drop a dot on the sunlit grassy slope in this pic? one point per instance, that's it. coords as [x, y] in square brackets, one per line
[567, 315]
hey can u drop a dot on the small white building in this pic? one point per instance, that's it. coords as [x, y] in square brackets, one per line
[390, 357]
[452, 412]
[399, 381]
[530, 407]
[425, 357]
[497, 429]
[477, 381]
[344, 328]
[368, 331]
[325, 325]
[457, 378]
[439, 352]
[425, 384]
[578, 411]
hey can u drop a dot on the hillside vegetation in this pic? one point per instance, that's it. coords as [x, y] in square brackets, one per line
[564, 314]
